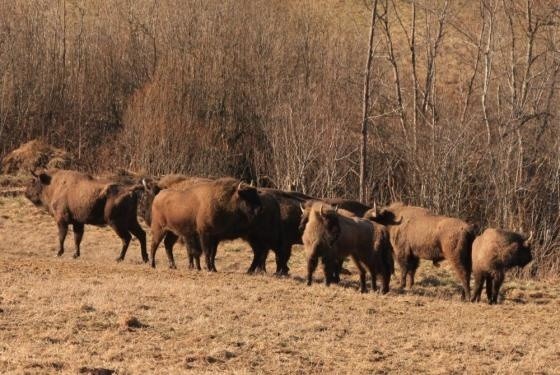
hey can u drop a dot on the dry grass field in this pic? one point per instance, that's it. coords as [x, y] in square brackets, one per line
[64, 315]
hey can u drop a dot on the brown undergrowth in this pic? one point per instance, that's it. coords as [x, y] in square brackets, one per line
[66, 315]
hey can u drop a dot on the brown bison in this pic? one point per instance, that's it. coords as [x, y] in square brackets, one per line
[494, 252]
[76, 199]
[290, 217]
[423, 235]
[264, 233]
[332, 237]
[203, 215]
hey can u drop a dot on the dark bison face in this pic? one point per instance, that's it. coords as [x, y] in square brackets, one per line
[383, 216]
[34, 189]
[249, 201]
[151, 189]
[523, 254]
[305, 209]
[332, 226]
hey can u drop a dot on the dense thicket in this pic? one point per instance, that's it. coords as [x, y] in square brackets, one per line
[464, 97]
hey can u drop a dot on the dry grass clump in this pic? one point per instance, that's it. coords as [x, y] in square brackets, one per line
[35, 154]
[66, 315]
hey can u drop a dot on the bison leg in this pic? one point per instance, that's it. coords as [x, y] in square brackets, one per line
[478, 285]
[259, 259]
[370, 264]
[62, 232]
[139, 233]
[498, 280]
[157, 237]
[404, 270]
[168, 242]
[329, 269]
[412, 266]
[312, 263]
[209, 247]
[362, 270]
[465, 278]
[489, 283]
[78, 235]
[192, 245]
[282, 258]
[125, 237]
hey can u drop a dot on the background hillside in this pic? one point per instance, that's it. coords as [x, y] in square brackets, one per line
[256, 88]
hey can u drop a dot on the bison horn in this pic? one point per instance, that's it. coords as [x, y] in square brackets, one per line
[335, 209]
[239, 186]
[144, 183]
[528, 240]
[301, 208]
[321, 211]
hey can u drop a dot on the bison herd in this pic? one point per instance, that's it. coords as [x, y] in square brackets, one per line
[203, 212]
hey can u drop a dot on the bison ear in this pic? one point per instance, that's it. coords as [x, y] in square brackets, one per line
[45, 178]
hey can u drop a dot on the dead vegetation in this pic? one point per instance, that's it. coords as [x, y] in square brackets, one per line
[60, 314]
[33, 155]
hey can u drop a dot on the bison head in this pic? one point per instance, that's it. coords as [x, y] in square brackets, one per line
[34, 189]
[383, 216]
[305, 208]
[521, 254]
[248, 199]
[151, 189]
[328, 229]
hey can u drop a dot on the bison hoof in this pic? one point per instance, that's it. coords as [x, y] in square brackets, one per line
[363, 290]
[59, 254]
[76, 256]
[119, 259]
[145, 259]
[172, 267]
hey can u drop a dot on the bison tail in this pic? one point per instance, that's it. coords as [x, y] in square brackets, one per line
[465, 246]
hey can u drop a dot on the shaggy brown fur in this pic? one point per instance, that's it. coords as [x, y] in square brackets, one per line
[203, 215]
[264, 234]
[423, 235]
[76, 198]
[357, 208]
[290, 216]
[153, 187]
[332, 237]
[494, 252]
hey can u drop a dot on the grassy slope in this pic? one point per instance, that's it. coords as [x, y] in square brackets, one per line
[65, 314]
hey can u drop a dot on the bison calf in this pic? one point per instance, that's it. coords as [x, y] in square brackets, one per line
[76, 199]
[332, 237]
[494, 252]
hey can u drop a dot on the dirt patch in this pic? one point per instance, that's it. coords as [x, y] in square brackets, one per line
[33, 155]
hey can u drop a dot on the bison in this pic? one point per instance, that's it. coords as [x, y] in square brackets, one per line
[423, 235]
[203, 215]
[290, 218]
[264, 233]
[494, 252]
[332, 237]
[76, 199]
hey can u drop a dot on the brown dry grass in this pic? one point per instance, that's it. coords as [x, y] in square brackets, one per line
[60, 314]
